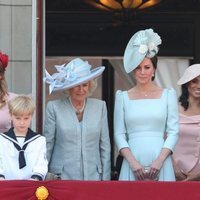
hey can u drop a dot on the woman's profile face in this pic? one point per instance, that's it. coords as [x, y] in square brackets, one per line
[194, 87]
[144, 72]
[79, 92]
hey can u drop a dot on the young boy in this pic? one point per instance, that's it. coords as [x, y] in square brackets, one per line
[22, 151]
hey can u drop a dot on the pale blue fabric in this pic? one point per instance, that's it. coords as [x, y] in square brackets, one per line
[74, 151]
[142, 44]
[140, 125]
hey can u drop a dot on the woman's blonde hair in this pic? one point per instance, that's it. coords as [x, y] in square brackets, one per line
[92, 87]
[22, 104]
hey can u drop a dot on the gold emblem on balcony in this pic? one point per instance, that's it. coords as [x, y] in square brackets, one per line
[42, 193]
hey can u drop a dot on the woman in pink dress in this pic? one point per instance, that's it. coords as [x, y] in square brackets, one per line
[186, 155]
[5, 96]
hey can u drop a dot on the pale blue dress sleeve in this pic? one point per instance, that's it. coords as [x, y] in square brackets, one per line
[120, 132]
[172, 123]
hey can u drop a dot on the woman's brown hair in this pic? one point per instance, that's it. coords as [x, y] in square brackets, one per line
[154, 61]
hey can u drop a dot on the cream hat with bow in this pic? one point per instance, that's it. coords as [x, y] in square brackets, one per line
[190, 73]
[71, 74]
[142, 44]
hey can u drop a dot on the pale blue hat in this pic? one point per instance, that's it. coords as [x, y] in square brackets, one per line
[142, 44]
[69, 75]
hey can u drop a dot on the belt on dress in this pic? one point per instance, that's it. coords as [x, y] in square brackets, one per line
[146, 134]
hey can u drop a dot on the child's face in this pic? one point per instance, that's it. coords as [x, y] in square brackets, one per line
[21, 122]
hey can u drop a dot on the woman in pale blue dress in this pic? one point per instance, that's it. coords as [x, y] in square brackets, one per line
[144, 114]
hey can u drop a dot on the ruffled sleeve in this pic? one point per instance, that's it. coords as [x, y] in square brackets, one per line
[119, 121]
[172, 123]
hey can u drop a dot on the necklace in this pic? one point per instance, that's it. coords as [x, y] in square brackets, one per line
[77, 111]
[146, 93]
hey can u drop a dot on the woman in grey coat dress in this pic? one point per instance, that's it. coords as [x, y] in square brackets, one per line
[76, 128]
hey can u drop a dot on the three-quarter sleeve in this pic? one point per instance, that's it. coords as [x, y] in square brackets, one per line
[172, 123]
[119, 122]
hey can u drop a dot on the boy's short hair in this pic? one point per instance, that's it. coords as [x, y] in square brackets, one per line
[21, 104]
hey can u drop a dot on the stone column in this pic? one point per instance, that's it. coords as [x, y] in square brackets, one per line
[16, 41]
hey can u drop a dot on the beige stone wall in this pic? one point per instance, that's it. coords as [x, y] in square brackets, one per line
[16, 41]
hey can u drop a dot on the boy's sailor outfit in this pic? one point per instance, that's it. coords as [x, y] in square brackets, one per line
[21, 158]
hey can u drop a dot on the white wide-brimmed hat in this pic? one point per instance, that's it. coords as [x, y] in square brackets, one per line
[142, 44]
[190, 73]
[71, 74]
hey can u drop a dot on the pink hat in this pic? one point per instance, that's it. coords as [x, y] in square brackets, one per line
[190, 73]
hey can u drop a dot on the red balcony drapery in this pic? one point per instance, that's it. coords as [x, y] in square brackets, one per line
[104, 190]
